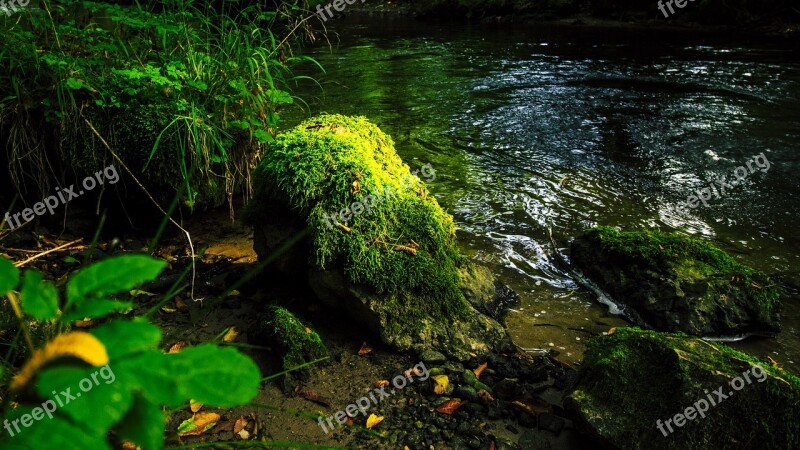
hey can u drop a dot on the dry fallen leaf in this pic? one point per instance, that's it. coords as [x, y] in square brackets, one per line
[612, 331]
[449, 407]
[308, 330]
[198, 424]
[244, 434]
[77, 344]
[83, 323]
[168, 310]
[195, 406]
[440, 383]
[312, 396]
[480, 370]
[381, 383]
[239, 425]
[230, 336]
[485, 396]
[178, 346]
[127, 445]
[180, 304]
[365, 349]
[373, 420]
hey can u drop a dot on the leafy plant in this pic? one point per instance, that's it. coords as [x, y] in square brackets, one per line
[188, 92]
[130, 407]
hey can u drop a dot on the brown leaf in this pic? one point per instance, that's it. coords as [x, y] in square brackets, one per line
[239, 425]
[127, 445]
[450, 406]
[83, 323]
[312, 396]
[485, 396]
[365, 349]
[381, 383]
[612, 331]
[195, 406]
[480, 370]
[180, 304]
[178, 346]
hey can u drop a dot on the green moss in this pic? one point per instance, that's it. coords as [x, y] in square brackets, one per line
[300, 343]
[692, 257]
[658, 375]
[325, 165]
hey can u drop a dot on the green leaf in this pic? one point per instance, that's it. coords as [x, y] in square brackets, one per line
[279, 97]
[117, 274]
[216, 376]
[143, 425]
[99, 400]
[126, 337]
[263, 136]
[154, 375]
[70, 260]
[9, 276]
[91, 308]
[199, 85]
[54, 434]
[75, 84]
[39, 298]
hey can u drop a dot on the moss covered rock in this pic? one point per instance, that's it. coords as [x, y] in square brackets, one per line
[633, 381]
[674, 283]
[380, 245]
[299, 343]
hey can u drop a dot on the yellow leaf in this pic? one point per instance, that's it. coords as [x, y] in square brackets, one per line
[440, 383]
[77, 344]
[198, 424]
[195, 406]
[230, 336]
[373, 420]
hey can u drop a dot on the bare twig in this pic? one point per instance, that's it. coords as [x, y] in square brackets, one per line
[46, 252]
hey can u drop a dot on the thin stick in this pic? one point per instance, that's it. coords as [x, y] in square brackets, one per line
[47, 252]
[130, 172]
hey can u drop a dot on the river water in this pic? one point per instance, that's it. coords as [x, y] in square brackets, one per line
[531, 128]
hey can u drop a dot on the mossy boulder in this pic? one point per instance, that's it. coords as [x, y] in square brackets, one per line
[633, 381]
[673, 283]
[379, 245]
[300, 344]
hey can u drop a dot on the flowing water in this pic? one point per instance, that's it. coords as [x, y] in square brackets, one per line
[536, 128]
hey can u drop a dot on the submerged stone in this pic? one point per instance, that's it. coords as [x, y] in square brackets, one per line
[633, 381]
[674, 283]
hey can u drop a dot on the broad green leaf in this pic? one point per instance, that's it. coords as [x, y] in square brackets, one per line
[55, 433]
[39, 298]
[144, 424]
[91, 308]
[154, 375]
[117, 274]
[216, 376]
[263, 136]
[125, 337]
[99, 400]
[279, 97]
[9, 276]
